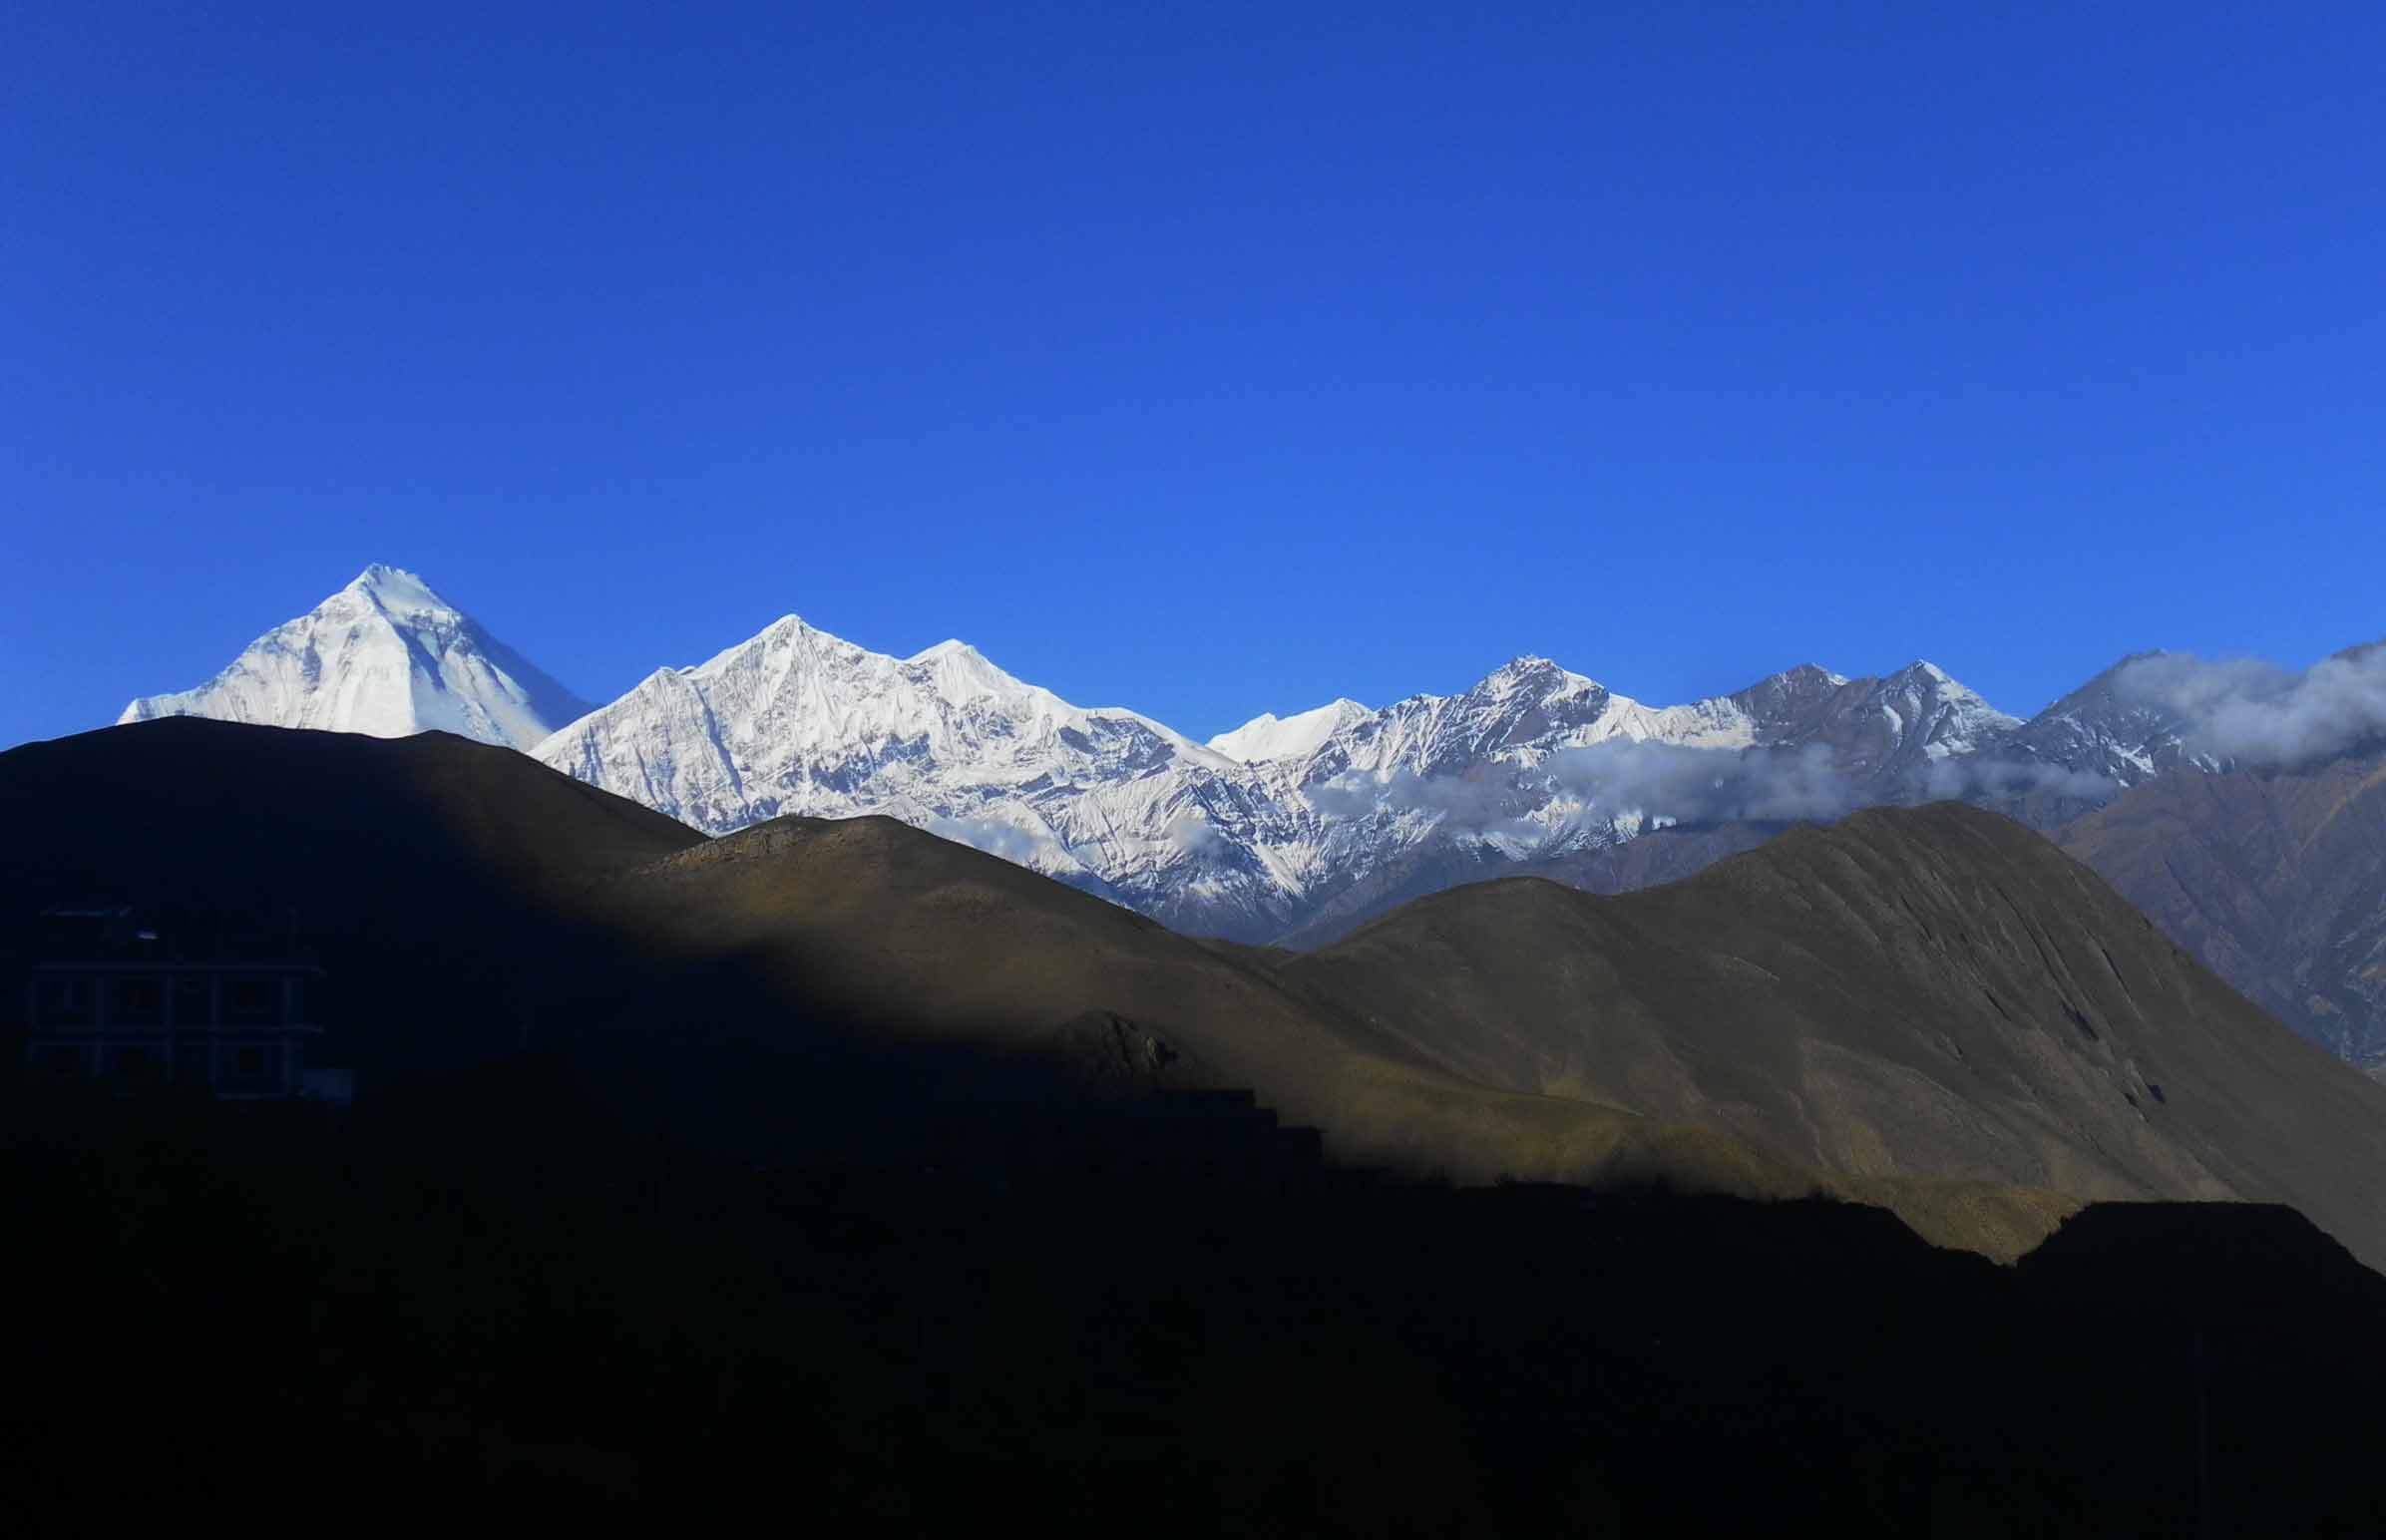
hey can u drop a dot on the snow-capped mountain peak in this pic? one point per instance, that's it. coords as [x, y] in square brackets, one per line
[2106, 728]
[1927, 704]
[399, 593]
[1529, 673]
[1269, 736]
[959, 673]
[385, 656]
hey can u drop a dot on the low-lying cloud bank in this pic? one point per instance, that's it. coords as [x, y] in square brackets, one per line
[1664, 779]
[1020, 842]
[1995, 775]
[1655, 780]
[2258, 714]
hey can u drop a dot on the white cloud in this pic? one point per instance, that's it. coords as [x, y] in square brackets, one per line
[2256, 713]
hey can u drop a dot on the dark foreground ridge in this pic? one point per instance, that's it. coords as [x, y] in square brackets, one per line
[842, 1170]
[487, 1299]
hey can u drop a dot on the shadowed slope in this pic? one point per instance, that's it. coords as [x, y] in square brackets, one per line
[438, 878]
[183, 803]
[525, 1316]
[1935, 991]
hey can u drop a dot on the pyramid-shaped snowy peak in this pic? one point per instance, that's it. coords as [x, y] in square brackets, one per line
[385, 656]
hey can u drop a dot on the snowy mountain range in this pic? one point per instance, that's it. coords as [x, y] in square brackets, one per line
[1248, 836]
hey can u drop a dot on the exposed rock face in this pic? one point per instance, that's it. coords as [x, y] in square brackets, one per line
[1883, 730]
[2106, 729]
[1106, 1053]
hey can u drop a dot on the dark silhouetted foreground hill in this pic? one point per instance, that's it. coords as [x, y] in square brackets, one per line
[487, 1300]
[438, 879]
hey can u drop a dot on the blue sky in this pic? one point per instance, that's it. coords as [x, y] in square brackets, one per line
[1204, 359]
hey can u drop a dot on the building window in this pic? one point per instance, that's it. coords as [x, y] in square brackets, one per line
[250, 999]
[193, 1004]
[191, 1065]
[134, 1063]
[63, 1062]
[254, 1066]
[65, 1001]
[138, 999]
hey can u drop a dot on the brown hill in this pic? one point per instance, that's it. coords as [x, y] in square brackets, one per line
[885, 934]
[1659, 856]
[1913, 993]
[2274, 880]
